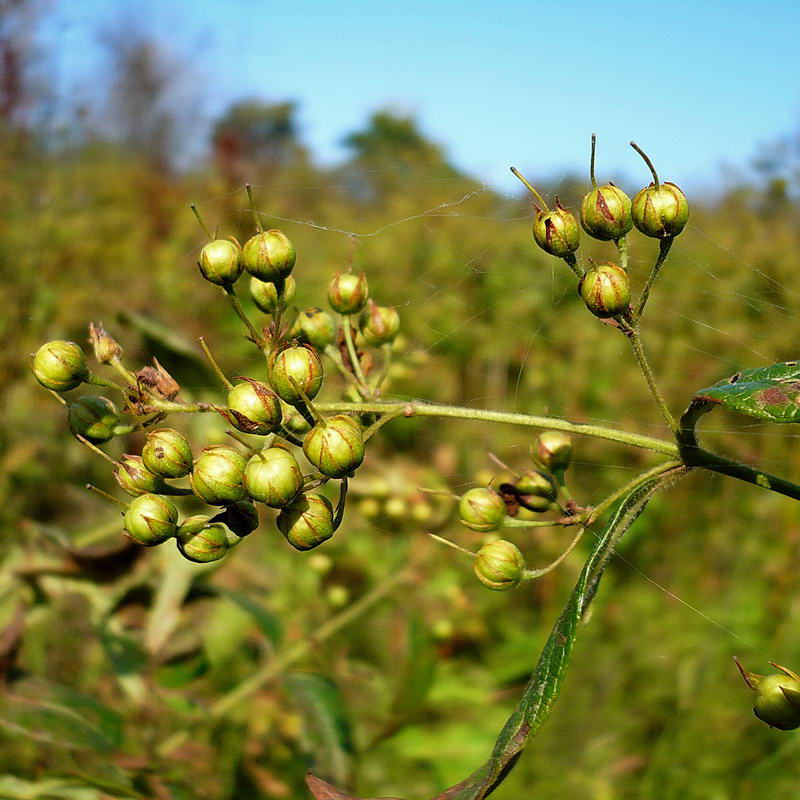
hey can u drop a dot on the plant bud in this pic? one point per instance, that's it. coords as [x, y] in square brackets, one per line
[269, 256]
[135, 479]
[557, 232]
[553, 450]
[660, 211]
[241, 518]
[106, 349]
[482, 509]
[348, 293]
[307, 522]
[266, 294]
[93, 417]
[335, 446]
[298, 364]
[295, 422]
[379, 324]
[221, 262]
[499, 565]
[314, 326]
[217, 475]
[536, 490]
[273, 477]
[777, 696]
[253, 408]
[605, 290]
[60, 365]
[208, 544]
[167, 453]
[606, 212]
[151, 519]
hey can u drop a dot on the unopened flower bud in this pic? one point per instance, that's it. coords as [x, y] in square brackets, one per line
[106, 349]
[269, 256]
[777, 697]
[208, 544]
[266, 294]
[605, 290]
[221, 262]
[348, 293]
[536, 490]
[252, 407]
[335, 446]
[93, 417]
[482, 509]
[314, 326]
[151, 519]
[307, 522]
[296, 365]
[660, 211]
[553, 450]
[167, 453]
[217, 475]
[60, 365]
[557, 231]
[135, 479]
[499, 565]
[606, 212]
[379, 324]
[273, 477]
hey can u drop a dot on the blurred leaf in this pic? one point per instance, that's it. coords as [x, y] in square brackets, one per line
[324, 791]
[164, 336]
[417, 671]
[127, 656]
[12, 788]
[327, 732]
[115, 785]
[267, 622]
[182, 670]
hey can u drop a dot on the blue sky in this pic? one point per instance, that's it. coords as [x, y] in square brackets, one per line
[698, 84]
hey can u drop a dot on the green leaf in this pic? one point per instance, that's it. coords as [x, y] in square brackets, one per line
[417, 670]
[183, 669]
[267, 622]
[770, 393]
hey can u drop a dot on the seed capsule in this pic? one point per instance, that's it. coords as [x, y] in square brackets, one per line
[499, 565]
[273, 477]
[379, 324]
[482, 509]
[60, 365]
[777, 696]
[606, 212]
[151, 519]
[298, 364]
[217, 475]
[135, 479]
[348, 293]
[106, 349]
[556, 232]
[93, 417]
[266, 294]
[253, 408]
[269, 256]
[167, 453]
[314, 326]
[536, 490]
[605, 290]
[208, 544]
[221, 262]
[307, 522]
[335, 446]
[553, 450]
[660, 211]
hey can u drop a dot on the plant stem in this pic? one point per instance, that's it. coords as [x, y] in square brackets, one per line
[512, 522]
[622, 249]
[351, 349]
[380, 422]
[573, 264]
[236, 304]
[638, 351]
[334, 356]
[386, 349]
[664, 246]
[532, 574]
[213, 361]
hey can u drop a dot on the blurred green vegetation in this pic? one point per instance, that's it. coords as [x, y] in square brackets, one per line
[112, 657]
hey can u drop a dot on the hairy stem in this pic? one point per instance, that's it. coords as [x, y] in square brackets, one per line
[236, 305]
[636, 343]
[664, 246]
[351, 350]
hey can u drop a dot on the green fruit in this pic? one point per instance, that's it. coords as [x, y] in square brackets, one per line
[151, 519]
[379, 324]
[553, 450]
[499, 565]
[605, 290]
[220, 262]
[482, 509]
[335, 446]
[536, 490]
[273, 477]
[348, 293]
[269, 256]
[93, 417]
[660, 211]
[777, 701]
[296, 365]
[266, 294]
[253, 408]
[135, 479]
[60, 365]
[314, 326]
[556, 232]
[217, 475]
[606, 212]
[203, 546]
[167, 453]
[307, 522]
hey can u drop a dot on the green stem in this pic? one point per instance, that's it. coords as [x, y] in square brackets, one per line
[622, 249]
[664, 246]
[379, 423]
[333, 355]
[532, 574]
[513, 522]
[236, 304]
[386, 349]
[638, 351]
[573, 264]
[96, 380]
[214, 366]
[351, 349]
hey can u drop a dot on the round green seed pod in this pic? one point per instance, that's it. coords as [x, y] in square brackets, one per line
[60, 365]
[314, 326]
[499, 565]
[348, 293]
[553, 450]
[777, 701]
[135, 479]
[536, 491]
[482, 509]
[167, 453]
[335, 446]
[217, 475]
[606, 290]
[266, 294]
[93, 417]
[379, 324]
[296, 423]
[557, 232]
[606, 212]
[307, 522]
[220, 262]
[273, 477]
[269, 256]
[254, 408]
[151, 519]
[298, 364]
[660, 211]
[241, 518]
[208, 544]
